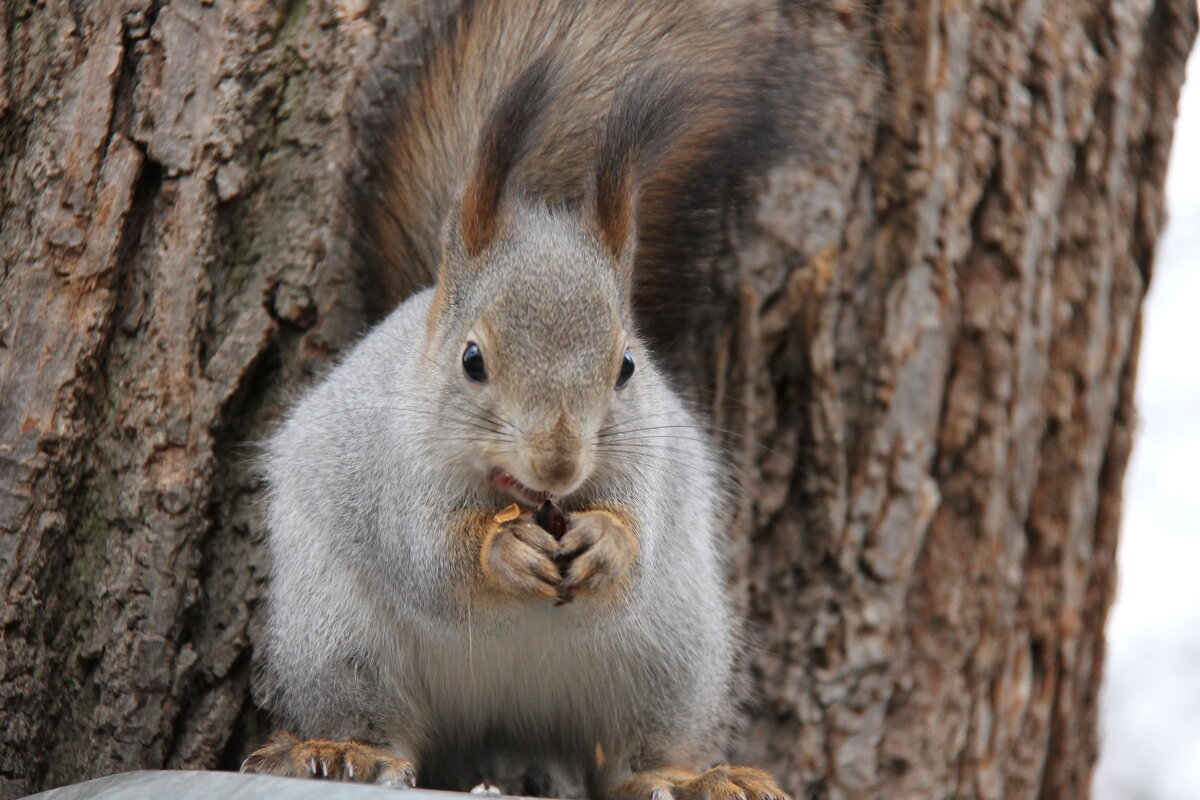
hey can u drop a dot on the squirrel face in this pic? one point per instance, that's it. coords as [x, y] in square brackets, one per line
[530, 324]
[535, 353]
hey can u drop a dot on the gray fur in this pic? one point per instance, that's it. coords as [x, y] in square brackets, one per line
[374, 632]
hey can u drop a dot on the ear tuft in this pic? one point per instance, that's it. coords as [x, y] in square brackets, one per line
[644, 121]
[508, 134]
[615, 204]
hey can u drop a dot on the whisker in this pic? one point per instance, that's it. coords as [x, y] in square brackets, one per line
[749, 439]
[441, 415]
[656, 437]
[637, 419]
[642, 455]
[635, 461]
[478, 412]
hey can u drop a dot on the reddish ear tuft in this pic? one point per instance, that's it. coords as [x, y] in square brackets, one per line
[614, 205]
[480, 208]
[645, 120]
[507, 136]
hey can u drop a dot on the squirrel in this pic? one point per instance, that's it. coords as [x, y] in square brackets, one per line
[557, 170]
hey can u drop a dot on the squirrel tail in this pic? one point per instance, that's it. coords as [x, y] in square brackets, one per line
[678, 101]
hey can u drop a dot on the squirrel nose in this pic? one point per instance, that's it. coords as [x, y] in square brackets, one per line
[556, 454]
[558, 470]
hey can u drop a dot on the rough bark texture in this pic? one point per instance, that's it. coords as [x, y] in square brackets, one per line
[928, 382]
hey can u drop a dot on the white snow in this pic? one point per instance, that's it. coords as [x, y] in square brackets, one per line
[1150, 704]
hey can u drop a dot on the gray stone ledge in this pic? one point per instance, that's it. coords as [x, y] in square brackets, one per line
[195, 785]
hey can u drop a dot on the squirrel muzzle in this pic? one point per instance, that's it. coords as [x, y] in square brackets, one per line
[555, 455]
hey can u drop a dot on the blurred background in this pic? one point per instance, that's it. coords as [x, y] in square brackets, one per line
[1150, 705]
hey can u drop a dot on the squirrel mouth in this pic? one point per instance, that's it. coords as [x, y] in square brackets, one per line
[503, 480]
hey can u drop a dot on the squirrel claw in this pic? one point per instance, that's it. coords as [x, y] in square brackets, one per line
[288, 756]
[518, 558]
[598, 552]
[487, 789]
[722, 782]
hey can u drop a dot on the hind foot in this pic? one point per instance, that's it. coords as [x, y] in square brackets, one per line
[290, 757]
[722, 782]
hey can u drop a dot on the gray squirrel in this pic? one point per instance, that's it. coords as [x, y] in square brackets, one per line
[558, 170]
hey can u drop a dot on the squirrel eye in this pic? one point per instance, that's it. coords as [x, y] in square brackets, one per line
[626, 369]
[473, 363]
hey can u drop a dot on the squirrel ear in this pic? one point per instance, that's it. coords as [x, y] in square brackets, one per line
[615, 205]
[450, 270]
[645, 121]
[506, 137]
[454, 252]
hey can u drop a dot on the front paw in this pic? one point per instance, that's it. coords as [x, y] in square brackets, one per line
[518, 559]
[599, 550]
[290, 757]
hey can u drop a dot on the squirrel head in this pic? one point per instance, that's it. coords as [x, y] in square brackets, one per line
[536, 349]
[531, 324]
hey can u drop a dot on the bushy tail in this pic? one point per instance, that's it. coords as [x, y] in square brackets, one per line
[692, 88]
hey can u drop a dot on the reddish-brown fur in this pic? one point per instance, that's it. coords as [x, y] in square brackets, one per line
[287, 756]
[654, 113]
[505, 137]
[519, 559]
[721, 782]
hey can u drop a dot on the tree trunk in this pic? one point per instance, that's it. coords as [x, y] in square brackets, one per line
[927, 387]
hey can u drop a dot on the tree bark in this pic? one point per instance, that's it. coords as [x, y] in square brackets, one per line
[927, 388]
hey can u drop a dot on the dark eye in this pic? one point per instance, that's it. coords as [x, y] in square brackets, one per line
[473, 363]
[626, 369]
